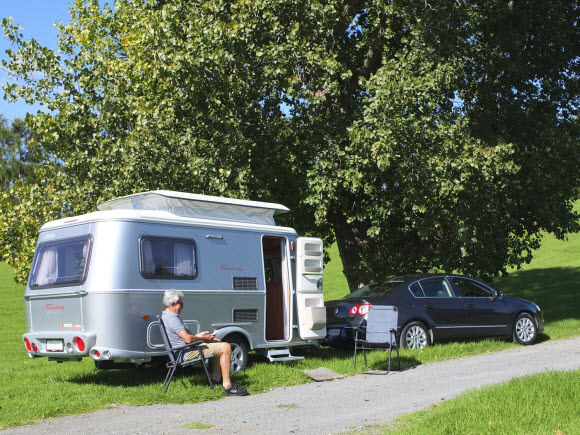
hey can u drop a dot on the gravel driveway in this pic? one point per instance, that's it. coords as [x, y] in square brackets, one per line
[325, 407]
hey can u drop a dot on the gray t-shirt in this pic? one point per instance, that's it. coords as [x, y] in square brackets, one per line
[174, 325]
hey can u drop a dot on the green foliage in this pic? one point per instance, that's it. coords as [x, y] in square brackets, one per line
[19, 153]
[418, 136]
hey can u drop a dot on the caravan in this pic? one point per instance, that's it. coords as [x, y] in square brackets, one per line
[97, 280]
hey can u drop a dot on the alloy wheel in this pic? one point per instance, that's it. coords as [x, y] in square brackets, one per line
[416, 338]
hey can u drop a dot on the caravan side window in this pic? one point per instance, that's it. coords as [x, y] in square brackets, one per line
[167, 258]
[61, 263]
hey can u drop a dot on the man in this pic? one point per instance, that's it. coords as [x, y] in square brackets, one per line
[179, 335]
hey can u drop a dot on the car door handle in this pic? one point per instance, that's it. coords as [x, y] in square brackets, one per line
[429, 306]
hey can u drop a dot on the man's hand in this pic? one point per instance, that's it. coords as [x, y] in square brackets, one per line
[206, 336]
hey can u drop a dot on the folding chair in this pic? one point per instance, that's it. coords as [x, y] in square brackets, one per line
[380, 332]
[177, 355]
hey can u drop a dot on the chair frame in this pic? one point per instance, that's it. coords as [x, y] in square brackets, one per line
[177, 355]
[388, 339]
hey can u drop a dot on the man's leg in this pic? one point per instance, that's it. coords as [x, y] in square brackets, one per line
[225, 362]
[223, 351]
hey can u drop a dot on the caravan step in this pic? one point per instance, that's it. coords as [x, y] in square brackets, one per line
[281, 355]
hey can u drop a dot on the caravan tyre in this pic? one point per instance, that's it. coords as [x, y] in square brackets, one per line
[239, 352]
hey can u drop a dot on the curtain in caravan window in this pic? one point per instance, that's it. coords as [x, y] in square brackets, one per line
[47, 270]
[184, 259]
[147, 261]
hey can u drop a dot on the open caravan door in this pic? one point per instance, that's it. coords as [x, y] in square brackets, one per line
[309, 298]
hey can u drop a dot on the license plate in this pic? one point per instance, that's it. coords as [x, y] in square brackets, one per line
[334, 332]
[54, 345]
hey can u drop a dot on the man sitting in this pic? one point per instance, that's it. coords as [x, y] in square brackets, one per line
[179, 335]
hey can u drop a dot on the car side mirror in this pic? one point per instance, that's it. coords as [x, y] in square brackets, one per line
[494, 296]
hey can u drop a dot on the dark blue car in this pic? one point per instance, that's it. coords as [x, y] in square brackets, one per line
[437, 306]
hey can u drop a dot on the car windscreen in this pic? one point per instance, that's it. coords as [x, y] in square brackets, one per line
[61, 263]
[375, 289]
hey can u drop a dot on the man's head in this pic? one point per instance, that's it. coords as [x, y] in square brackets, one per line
[173, 300]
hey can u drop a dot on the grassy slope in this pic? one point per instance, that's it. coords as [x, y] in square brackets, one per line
[548, 403]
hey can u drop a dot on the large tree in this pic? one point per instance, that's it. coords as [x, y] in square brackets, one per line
[417, 135]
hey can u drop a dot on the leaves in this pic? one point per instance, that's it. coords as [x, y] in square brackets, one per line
[418, 137]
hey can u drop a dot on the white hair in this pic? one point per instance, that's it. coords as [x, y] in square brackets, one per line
[171, 297]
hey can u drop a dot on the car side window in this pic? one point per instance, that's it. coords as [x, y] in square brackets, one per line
[417, 290]
[469, 289]
[434, 288]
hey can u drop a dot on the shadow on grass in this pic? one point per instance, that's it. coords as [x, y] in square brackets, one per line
[138, 377]
[554, 289]
[347, 354]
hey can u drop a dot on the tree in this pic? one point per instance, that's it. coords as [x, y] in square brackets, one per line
[418, 136]
[18, 158]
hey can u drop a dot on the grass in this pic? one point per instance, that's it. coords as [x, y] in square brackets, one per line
[36, 389]
[547, 403]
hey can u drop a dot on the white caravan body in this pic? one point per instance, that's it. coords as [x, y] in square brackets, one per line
[97, 280]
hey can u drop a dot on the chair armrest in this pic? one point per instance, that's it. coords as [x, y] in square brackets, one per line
[188, 345]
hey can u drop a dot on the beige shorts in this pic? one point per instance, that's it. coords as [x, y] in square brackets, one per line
[207, 348]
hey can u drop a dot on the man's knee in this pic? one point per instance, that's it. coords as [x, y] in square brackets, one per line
[226, 349]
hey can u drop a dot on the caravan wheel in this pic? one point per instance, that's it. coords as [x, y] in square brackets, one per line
[239, 352]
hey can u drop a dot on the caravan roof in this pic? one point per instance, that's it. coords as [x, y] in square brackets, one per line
[198, 206]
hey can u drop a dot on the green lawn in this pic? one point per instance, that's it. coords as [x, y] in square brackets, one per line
[547, 403]
[33, 389]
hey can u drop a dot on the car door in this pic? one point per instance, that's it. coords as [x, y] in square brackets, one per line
[486, 313]
[436, 298]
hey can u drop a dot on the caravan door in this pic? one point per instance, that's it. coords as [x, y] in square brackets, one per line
[309, 299]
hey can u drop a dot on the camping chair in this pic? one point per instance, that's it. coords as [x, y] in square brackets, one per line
[380, 332]
[177, 355]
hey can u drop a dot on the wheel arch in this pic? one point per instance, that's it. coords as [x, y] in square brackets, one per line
[229, 331]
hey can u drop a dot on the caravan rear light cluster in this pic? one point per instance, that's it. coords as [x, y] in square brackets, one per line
[27, 344]
[79, 344]
[360, 310]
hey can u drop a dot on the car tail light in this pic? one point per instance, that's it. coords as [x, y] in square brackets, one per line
[34, 348]
[360, 310]
[79, 344]
[96, 353]
[27, 344]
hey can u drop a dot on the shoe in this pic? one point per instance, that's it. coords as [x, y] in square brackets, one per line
[234, 390]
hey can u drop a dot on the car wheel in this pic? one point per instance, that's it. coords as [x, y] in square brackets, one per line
[239, 353]
[415, 336]
[525, 329]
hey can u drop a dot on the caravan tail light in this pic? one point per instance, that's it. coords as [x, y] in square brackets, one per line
[34, 348]
[360, 310]
[27, 344]
[79, 344]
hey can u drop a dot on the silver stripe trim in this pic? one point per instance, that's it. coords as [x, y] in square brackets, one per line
[472, 326]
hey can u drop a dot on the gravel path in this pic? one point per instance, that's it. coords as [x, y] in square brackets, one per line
[325, 407]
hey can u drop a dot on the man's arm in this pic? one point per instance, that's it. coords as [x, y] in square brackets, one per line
[202, 336]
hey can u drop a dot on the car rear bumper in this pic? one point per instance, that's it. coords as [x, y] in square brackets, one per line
[338, 335]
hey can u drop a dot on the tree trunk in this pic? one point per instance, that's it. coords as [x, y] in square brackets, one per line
[351, 240]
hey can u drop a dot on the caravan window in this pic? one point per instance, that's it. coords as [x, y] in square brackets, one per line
[61, 263]
[164, 257]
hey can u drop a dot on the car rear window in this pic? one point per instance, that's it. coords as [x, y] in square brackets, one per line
[61, 263]
[375, 289]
